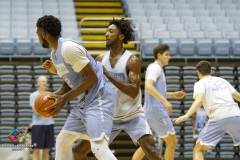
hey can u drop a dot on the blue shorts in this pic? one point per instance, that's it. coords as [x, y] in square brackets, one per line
[95, 120]
[135, 128]
[162, 126]
[213, 131]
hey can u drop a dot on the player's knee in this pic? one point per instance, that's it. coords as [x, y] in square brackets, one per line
[172, 142]
[199, 148]
[99, 147]
[78, 152]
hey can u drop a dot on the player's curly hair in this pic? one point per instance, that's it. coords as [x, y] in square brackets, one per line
[124, 27]
[50, 24]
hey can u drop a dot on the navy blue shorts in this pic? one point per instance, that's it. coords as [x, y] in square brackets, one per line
[43, 136]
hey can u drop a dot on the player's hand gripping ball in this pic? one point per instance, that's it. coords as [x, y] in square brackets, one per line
[42, 101]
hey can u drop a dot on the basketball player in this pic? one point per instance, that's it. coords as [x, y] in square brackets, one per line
[123, 71]
[156, 105]
[42, 128]
[216, 95]
[199, 119]
[92, 117]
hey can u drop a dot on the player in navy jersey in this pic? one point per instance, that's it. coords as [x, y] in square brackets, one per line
[92, 117]
[217, 97]
[123, 73]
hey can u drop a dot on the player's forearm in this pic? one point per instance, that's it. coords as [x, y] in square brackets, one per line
[86, 82]
[130, 89]
[196, 104]
[170, 94]
[63, 89]
[152, 90]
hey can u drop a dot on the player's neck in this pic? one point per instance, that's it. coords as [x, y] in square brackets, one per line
[116, 51]
[41, 90]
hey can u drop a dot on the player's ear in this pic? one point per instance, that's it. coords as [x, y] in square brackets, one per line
[121, 36]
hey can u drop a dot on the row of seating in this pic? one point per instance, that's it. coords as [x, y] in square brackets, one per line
[24, 14]
[36, 70]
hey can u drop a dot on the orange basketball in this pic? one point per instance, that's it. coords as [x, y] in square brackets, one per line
[43, 102]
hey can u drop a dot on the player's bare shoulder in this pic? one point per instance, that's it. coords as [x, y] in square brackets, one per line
[134, 64]
[100, 57]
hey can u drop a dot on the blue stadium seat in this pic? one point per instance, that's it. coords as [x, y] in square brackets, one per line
[172, 69]
[24, 46]
[6, 69]
[148, 45]
[175, 27]
[236, 47]
[173, 79]
[7, 46]
[173, 44]
[204, 47]
[192, 27]
[187, 47]
[4, 87]
[222, 47]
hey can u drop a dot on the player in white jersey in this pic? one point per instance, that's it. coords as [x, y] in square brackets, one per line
[123, 71]
[217, 96]
[92, 117]
[156, 105]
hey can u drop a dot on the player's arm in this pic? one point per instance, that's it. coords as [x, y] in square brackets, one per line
[88, 80]
[149, 87]
[196, 104]
[133, 69]
[193, 120]
[48, 64]
[176, 95]
[63, 89]
[236, 95]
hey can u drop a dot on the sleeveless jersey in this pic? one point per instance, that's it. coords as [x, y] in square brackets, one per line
[153, 107]
[72, 78]
[125, 107]
[200, 118]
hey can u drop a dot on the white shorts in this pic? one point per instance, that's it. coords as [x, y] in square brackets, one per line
[95, 120]
[213, 131]
[136, 128]
[162, 126]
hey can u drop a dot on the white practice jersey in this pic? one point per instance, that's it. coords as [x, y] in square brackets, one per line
[218, 101]
[125, 107]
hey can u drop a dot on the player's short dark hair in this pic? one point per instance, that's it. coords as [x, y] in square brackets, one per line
[160, 48]
[204, 67]
[124, 27]
[50, 24]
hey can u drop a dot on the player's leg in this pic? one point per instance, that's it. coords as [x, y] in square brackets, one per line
[147, 144]
[36, 154]
[171, 142]
[163, 127]
[37, 140]
[81, 149]
[101, 150]
[48, 132]
[140, 132]
[198, 151]
[138, 154]
[45, 154]
[64, 143]
[234, 130]
[98, 119]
